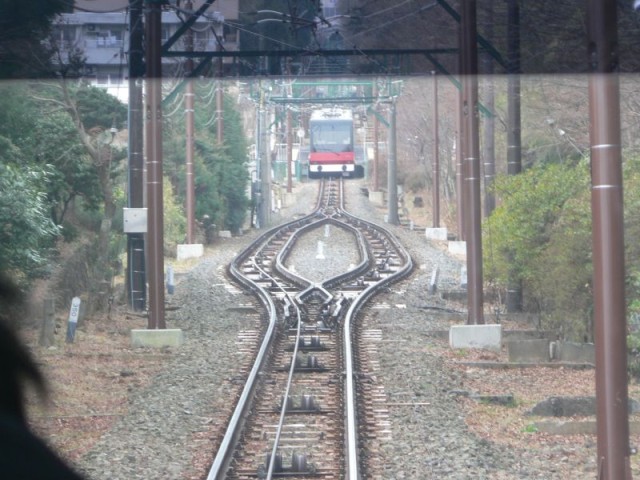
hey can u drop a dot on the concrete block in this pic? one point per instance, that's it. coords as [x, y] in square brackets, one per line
[476, 336]
[526, 334]
[377, 198]
[157, 338]
[457, 247]
[224, 234]
[436, 233]
[193, 250]
[575, 352]
[532, 350]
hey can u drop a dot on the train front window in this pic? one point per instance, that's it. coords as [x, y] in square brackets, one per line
[334, 137]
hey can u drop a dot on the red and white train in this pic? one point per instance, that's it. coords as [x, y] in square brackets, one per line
[332, 139]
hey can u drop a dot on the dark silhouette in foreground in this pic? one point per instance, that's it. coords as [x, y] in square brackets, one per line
[23, 456]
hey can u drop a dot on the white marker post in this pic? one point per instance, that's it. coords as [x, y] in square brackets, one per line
[170, 283]
[74, 313]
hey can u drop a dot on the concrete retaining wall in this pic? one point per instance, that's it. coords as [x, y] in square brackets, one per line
[574, 352]
[476, 336]
[531, 350]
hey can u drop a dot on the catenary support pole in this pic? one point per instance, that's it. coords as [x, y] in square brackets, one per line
[153, 113]
[375, 182]
[190, 137]
[265, 163]
[289, 135]
[460, 203]
[471, 167]
[489, 121]
[136, 282]
[436, 156]
[461, 143]
[608, 245]
[219, 111]
[392, 183]
[257, 187]
[514, 141]
[220, 100]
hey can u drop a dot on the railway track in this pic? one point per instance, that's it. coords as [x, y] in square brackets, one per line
[299, 415]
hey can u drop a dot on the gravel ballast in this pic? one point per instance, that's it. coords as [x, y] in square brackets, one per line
[169, 425]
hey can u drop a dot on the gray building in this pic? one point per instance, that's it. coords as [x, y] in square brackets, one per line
[99, 31]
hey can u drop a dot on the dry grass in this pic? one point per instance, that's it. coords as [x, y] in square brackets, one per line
[89, 381]
[512, 427]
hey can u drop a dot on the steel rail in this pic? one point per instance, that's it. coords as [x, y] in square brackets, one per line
[301, 225]
[283, 410]
[224, 452]
[222, 457]
[350, 408]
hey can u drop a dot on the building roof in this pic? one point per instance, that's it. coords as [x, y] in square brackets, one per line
[227, 8]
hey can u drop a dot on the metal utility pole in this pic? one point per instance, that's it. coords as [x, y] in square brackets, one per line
[460, 203]
[220, 100]
[436, 156]
[136, 284]
[392, 183]
[488, 146]
[375, 182]
[289, 150]
[471, 165]
[153, 143]
[608, 244]
[514, 142]
[376, 153]
[257, 184]
[219, 112]
[265, 164]
[189, 120]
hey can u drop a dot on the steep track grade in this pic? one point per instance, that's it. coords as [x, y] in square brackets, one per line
[297, 415]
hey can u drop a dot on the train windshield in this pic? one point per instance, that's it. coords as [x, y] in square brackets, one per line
[331, 137]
